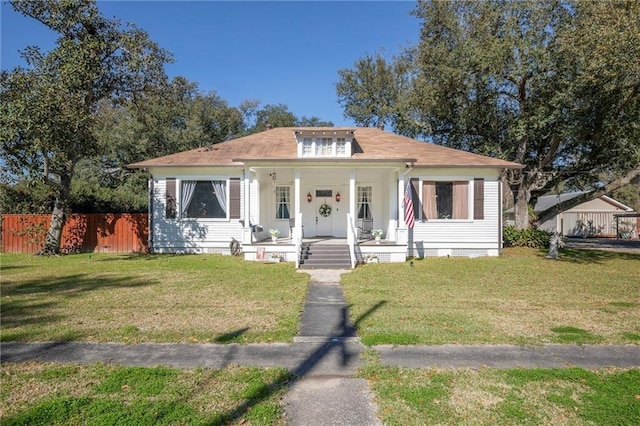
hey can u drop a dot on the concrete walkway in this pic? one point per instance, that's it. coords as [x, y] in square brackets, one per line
[335, 397]
[325, 357]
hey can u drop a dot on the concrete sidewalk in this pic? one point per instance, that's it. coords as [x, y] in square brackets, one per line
[329, 358]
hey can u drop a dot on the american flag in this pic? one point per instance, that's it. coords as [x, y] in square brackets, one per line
[408, 206]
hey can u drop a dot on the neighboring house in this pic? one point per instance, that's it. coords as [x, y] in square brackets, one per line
[591, 218]
[325, 182]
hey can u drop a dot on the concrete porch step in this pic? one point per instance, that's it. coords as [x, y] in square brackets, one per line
[314, 256]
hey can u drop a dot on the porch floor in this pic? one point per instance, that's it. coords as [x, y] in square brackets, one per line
[326, 241]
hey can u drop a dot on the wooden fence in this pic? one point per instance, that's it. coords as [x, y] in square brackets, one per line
[108, 233]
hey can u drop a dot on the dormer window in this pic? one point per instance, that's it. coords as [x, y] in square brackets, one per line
[323, 144]
[324, 147]
[307, 147]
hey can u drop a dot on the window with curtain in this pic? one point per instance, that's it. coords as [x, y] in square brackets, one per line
[203, 199]
[364, 202]
[445, 200]
[283, 202]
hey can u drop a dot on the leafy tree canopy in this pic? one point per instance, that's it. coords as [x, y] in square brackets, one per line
[553, 85]
[48, 111]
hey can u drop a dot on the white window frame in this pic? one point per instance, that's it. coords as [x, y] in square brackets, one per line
[449, 179]
[277, 201]
[341, 147]
[369, 201]
[324, 147]
[317, 148]
[307, 147]
[179, 214]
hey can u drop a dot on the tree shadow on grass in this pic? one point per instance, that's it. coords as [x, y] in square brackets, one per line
[23, 311]
[70, 285]
[570, 254]
[286, 379]
[232, 336]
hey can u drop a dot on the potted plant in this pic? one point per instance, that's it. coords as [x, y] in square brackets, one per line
[371, 258]
[274, 235]
[377, 233]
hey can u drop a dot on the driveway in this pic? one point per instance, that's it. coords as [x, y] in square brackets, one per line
[608, 244]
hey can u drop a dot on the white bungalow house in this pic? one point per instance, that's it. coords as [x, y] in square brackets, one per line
[326, 183]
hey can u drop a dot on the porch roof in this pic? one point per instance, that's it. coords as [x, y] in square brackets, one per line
[369, 145]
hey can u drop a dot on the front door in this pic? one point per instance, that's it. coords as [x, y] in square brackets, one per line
[324, 212]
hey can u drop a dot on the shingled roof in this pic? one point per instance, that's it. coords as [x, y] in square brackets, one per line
[371, 145]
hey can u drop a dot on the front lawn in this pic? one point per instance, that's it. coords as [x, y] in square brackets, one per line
[519, 298]
[98, 394]
[572, 396]
[148, 298]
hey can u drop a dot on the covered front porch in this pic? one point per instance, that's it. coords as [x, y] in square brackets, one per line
[286, 249]
[317, 202]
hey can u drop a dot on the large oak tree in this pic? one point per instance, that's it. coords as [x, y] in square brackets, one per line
[554, 85]
[48, 110]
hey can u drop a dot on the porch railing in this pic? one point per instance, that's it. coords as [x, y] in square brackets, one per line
[352, 237]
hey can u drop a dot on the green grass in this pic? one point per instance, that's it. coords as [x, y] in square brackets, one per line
[518, 298]
[99, 394]
[149, 298]
[517, 396]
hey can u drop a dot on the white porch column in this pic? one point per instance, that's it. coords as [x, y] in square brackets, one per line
[352, 195]
[352, 215]
[246, 231]
[393, 209]
[403, 234]
[296, 206]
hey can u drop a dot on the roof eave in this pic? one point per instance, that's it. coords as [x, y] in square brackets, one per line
[466, 166]
[325, 160]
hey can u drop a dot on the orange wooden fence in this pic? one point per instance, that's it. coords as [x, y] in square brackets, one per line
[108, 233]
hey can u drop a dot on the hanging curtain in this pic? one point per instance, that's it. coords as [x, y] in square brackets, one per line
[367, 204]
[188, 188]
[284, 203]
[460, 200]
[220, 189]
[429, 210]
[364, 207]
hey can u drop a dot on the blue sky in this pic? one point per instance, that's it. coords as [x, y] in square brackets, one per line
[272, 51]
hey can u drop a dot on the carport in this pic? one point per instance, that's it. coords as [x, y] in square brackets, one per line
[633, 230]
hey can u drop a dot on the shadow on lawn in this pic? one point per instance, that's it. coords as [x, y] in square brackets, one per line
[232, 336]
[19, 308]
[335, 342]
[570, 254]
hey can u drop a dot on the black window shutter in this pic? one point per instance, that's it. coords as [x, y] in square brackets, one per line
[478, 198]
[415, 192]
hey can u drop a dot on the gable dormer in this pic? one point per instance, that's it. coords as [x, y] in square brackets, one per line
[319, 143]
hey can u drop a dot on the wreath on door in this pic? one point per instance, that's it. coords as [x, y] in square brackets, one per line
[325, 210]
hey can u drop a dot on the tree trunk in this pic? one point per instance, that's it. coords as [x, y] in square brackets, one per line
[53, 238]
[521, 206]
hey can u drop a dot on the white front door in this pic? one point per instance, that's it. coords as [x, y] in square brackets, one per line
[325, 211]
